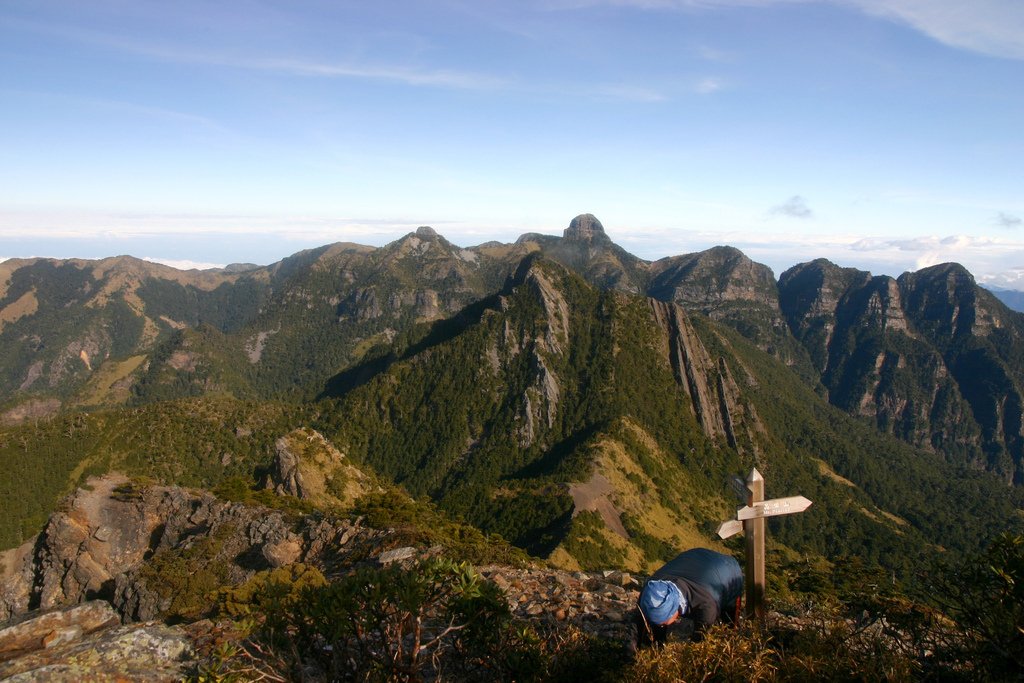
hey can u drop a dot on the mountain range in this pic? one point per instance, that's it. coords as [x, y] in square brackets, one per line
[584, 403]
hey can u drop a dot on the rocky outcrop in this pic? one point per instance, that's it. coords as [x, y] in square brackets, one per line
[930, 357]
[83, 644]
[98, 545]
[540, 399]
[309, 467]
[809, 295]
[710, 280]
[585, 228]
[53, 628]
[725, 285]
[587, 249]
[713, 394]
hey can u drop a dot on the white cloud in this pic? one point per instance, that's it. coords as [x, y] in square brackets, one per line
[794, 207]
[183, 264]
[1012, 278]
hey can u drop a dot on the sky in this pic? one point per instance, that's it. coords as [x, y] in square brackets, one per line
[886, 135]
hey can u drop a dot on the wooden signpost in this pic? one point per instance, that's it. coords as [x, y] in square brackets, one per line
[750, 520]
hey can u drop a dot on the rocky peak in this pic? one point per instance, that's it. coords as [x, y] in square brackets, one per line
[426, 232]
[709, 278]
[943, 299]
[585, 228]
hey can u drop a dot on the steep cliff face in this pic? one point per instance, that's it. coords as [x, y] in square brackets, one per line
[809, 296]
[930, 357]
[713, 394]
[725, 285]
[982, 344]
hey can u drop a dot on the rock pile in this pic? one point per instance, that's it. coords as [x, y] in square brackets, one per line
[597, 603]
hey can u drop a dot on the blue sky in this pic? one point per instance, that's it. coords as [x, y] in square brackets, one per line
[885, 135]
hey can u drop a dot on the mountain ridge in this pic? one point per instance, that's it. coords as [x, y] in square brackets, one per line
[284, 329]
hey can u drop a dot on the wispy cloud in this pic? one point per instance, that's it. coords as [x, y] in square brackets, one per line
[444, 78]
[707, 86]
[794, 207]
[991, 27]
[1008, 220]
[408, 74]
[626, 92]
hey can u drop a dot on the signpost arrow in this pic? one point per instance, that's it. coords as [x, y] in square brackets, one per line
[730, 528]
[773, 507]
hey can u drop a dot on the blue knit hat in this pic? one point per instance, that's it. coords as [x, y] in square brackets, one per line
[660, 600]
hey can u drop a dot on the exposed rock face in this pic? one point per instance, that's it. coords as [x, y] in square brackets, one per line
[31, 409]
[540, 400]
[921, 355]
[709, 280]
[97, 546]
[308, 466]
[147, 653]
[725, 285]
[809, 296]
[713, 394]
[585, 228]
[52, 628]
[587, 249]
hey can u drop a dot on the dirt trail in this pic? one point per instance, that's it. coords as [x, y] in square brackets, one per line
[594, 495]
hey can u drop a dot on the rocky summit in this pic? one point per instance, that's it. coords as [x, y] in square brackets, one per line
[585, 228]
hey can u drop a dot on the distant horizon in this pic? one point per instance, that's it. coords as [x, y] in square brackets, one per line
[189, 256]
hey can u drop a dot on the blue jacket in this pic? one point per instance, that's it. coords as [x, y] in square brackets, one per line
[711, 582]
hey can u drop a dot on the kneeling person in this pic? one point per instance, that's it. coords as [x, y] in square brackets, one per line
[699, 585]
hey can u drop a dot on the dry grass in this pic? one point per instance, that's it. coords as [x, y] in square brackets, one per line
[105, 386]
[26, 304]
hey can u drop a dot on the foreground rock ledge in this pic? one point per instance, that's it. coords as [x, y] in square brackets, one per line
[82, 643]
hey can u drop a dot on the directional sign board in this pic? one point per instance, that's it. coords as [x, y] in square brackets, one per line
[773, 507]
[730, 528]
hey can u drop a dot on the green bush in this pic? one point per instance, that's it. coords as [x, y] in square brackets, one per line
[421, 523]
[393, 623]
[188, 578]
[267, 588]
[984, 596]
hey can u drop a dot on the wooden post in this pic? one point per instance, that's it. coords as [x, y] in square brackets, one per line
[750, 520]
[753, 530]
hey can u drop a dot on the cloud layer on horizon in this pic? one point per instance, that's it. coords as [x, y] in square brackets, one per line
[212, 240]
